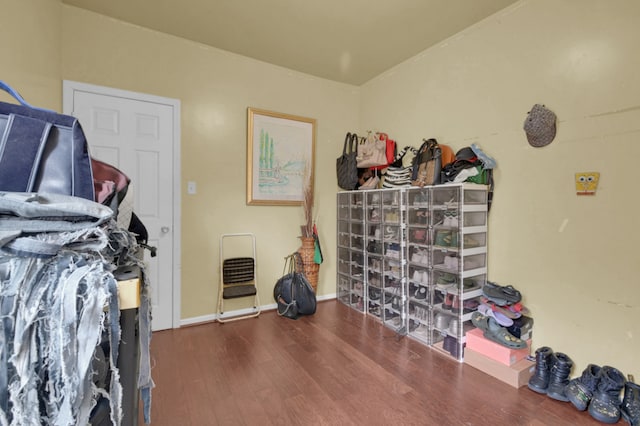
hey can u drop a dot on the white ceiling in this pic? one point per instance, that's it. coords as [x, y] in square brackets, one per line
[350, 41]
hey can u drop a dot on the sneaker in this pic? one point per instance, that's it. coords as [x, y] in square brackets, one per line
[395, 304]
[417, 276]
[425, 277]
[443, 238]
[417, 256]
[421, 293]
[469, 306]
[442, 321]
[447, 219]
[390, 233]
[453, 219]
[451, 262]
[446, 281]
[391, 217]
[375, 215]
[455, 305]
[469, 284]
[469, 242]
[419, 235]
[454, 327]
[374, 294]
[447, 304]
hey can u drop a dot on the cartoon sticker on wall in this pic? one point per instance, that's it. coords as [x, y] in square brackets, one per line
[587, 183]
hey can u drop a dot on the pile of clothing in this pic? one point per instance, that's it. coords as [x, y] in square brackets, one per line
[57, 257]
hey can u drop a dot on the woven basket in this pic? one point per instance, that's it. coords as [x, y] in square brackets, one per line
[306, 264]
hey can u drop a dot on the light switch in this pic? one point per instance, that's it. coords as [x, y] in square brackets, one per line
[191, 187]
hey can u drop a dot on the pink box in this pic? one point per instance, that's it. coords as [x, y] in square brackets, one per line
[477, 342]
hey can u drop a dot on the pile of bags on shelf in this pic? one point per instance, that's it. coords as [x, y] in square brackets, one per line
[374, 161]
[598, 389]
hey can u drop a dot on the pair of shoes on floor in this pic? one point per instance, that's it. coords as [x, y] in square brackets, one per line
[598, 389]
[551, 375]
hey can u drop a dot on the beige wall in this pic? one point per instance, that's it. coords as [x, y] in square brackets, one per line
[575, 259]
[30, 50]
[215, 88]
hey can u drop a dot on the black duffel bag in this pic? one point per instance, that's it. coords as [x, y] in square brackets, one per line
[293, 293]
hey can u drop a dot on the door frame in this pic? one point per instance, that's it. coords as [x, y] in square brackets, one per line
[68, 89]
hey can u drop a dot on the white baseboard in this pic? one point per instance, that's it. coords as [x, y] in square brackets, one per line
[213, 317]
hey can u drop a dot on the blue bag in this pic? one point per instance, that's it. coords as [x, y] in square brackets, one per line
[42, 151]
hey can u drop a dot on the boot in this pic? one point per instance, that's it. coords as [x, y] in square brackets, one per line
[605, 404]
[580, 391]
[559, 376]
[630, 408]
[540, 379]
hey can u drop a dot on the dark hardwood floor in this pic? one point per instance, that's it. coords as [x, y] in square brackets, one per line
[337, 367]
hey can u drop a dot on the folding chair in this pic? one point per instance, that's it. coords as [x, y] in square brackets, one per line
[238, 277]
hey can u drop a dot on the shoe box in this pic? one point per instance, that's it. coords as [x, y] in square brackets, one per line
[495, 351]
[516, 375]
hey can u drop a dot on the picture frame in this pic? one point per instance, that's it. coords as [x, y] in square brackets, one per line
[280, 157]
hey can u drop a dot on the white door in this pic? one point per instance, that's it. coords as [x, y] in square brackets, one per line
[137, 133]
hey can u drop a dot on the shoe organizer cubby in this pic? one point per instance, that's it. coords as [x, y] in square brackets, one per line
[351, 269]
[424, 259]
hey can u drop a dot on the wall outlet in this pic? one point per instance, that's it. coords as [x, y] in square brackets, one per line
[191, 187]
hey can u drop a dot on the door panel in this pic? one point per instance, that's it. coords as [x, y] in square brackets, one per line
[137, 137]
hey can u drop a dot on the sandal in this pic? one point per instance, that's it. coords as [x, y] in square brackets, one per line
[480, 321]
[505, 309]
[496, 333]
[500, 318]
[497, 292]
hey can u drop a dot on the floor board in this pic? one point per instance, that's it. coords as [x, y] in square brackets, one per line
[337, 367]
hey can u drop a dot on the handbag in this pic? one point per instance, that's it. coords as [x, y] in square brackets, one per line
[372, 151]
[293, 293]
[42, 151]
[397, 175]
[346, 166]
[427, 164]
[371, 183]
[390, 151]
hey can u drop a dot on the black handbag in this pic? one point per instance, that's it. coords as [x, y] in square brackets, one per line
[346, 165]
[293, 293]
[42, 151]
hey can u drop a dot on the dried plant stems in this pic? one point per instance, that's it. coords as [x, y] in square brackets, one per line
[307, 207]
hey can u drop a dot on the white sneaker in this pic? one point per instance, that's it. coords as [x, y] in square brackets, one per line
[416, 257]
[451, 262]
[417, 276]
[453, 220]
[447, 219]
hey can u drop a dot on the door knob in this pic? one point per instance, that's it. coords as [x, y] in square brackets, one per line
[164, 229]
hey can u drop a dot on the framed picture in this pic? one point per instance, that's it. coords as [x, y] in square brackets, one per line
[280, 157]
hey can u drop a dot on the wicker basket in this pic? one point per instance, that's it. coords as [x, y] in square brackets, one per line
[306, 264]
